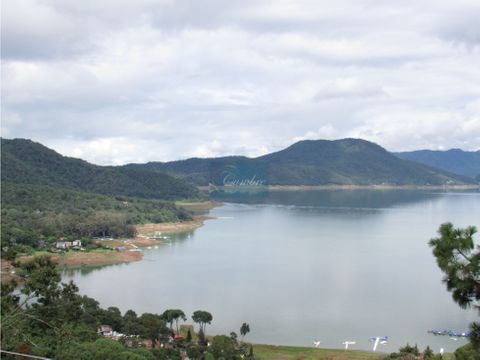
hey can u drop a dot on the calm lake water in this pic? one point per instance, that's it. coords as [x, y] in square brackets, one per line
[304, 266]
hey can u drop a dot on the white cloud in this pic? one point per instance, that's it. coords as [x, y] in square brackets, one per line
[121, 81]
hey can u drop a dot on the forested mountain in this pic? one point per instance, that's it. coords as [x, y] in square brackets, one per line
[309, 162]
[456, 161]
[27, 162]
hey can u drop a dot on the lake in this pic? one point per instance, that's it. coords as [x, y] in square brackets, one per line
[304, 266]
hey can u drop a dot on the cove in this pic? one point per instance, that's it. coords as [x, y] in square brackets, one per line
[304, 266]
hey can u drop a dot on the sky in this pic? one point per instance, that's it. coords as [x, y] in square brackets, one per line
[120, 81]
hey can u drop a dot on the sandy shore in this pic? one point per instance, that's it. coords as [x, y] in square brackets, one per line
[131, 247]
[148, 230]
[74, 259]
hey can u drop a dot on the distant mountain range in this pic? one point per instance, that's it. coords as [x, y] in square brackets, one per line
[456, 161]
[309, 162]
[26, 162]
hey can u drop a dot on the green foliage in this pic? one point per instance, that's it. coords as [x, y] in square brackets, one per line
[48, 314]
[226, 347]
[244, 329]
[223, 346]
[31, 213]
[457, 258]
[27, 162]
[52, 320]
[152, 326]
[112, 317]
[131, 323]
[467, 352]
[202, 318]
[166, 354]
[346, 161]
[412, 353]
[102, 349]
[173, 315]
[209, 356]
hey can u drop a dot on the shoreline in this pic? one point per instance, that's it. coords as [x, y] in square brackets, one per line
[133, 252]
[110, 256]
[147, 231]
[344, 187]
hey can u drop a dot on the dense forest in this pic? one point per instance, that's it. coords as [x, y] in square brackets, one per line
[309, 162]
[27, 162]
[46, 196]
[33, 213]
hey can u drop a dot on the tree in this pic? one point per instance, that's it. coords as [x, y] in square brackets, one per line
[250, 353]
[173, 315]
[152, 326]
[412, 353]
[202, 318]
[112, 317]
[467, 352]
[457, 258]
[428, 353]
[131, 324]
[244, 330]
[223, 347]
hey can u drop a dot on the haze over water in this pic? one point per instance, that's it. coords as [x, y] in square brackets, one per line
[304, 266]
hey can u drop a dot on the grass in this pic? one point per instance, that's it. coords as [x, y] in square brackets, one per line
[264, 352]
[197, 207]
[267, 352]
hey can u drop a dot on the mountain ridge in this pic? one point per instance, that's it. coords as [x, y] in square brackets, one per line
[27, 162]
[309, 162]
[457, 161]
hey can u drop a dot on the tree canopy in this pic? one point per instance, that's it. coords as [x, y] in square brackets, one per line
[202, 318]
[459, 258]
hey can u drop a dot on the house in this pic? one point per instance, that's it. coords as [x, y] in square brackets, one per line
[77, 243]
[63, 244]
[105, 330]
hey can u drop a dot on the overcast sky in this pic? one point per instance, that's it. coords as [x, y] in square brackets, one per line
[117, 81]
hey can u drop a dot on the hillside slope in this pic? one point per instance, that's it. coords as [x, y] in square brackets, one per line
[456, 161]
[27, 162]
[309, 162]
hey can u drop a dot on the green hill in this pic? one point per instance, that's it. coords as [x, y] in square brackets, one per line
[466, 163]
[36, 212]
[309, 162]
[27, 162]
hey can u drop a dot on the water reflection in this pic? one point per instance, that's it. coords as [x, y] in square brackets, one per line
[358, 198]
[169, 241]
[303, 266]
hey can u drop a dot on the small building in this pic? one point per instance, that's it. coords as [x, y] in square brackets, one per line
[105, 330]
[63, 244]
[77, 243]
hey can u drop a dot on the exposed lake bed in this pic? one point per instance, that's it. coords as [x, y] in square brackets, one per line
[300, 266]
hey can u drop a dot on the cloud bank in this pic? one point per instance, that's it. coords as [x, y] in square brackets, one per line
[132, 81]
